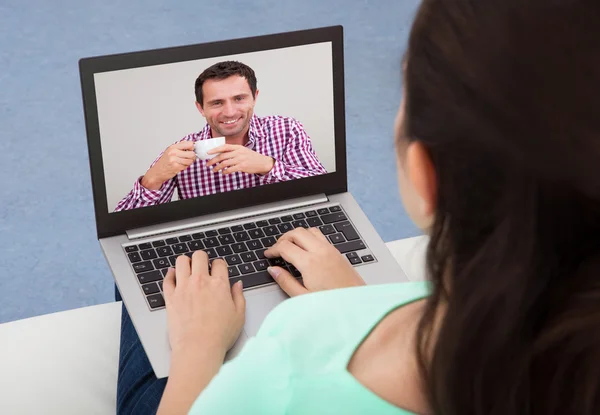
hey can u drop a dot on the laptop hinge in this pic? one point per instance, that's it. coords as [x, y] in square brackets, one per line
[216, 218]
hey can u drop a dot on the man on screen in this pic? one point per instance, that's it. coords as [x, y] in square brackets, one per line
[258, 150]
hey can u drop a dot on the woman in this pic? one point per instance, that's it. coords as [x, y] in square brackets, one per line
[498, 143]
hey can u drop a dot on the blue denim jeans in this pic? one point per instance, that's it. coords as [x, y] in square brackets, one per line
[138, 390]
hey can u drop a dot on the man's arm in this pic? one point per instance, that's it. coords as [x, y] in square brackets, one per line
[159, 182]
[298, 160]
[141, 196]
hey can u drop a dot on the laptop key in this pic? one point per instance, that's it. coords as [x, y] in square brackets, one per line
[334, 217]
[323, 211]
[237, 228]
[210, 234]
[233, 271]
[150, 276]
[131, 248]
[172, 241]
[337, 238]
[142, 266]
[310, 214]
[350, 246]
[314, 222]
[239, 247]
[258, 278]
[224, 250]
[246, 268]
[233, 259]
[285, 227]
[367, 258]
[299, 216]
[148, 254]
[160, 283]
[161, 263]
[256, 233]
[294, 271]
[233, 280]
[253, 245]
[185, 238]
[211, 242]
[156, 301]
[327, 229]
[260, 253]
[199, 235]
[274, 221]
[248, 256]
[173, 260]
[335, 209]
[261, 265]
[134, 257]
[268, 241]
[351, 255]
[355, 261]
[164, 251]
[180, 248]
[226, 239]
[164, 274]
[262, 223]
[287, 218]
[146, 245]
[241, 236]
[156, 244]
[195, 245]
[271, 230]
[348, 230]
[300, 224]
[249, 225]
[151, 288]
[277, 262]
[224, 231]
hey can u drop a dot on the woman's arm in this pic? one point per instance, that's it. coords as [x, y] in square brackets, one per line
[191, 371]
[205, 317]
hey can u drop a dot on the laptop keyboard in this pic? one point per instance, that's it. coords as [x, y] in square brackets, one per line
[242, 247]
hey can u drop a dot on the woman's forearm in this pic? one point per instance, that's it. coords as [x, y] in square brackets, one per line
[191, 371]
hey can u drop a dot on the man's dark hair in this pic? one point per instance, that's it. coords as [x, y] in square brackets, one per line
[223, 70]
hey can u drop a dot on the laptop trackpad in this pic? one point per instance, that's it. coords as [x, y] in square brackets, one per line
[258, 306]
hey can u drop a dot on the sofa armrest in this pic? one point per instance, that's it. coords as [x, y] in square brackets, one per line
[61, 363]
[410, 254]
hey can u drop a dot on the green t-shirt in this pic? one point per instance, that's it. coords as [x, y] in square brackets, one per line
[297, 363]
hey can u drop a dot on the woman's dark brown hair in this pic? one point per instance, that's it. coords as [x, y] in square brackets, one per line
[505, 96]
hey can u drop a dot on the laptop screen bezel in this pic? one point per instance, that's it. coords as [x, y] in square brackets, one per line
[115, 223]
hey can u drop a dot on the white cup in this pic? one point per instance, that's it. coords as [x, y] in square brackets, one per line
[202, 147]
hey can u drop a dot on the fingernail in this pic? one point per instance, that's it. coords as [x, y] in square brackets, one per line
[274, 272]
[240, 283]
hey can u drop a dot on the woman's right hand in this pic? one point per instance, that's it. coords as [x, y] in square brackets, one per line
[320, 263]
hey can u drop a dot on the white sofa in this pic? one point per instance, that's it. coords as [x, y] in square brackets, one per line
[66, 363]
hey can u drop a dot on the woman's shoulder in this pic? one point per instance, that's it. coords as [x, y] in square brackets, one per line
[334, 309]
[303, 347]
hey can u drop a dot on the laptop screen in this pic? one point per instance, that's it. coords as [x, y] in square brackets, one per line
[273, 109]
[186, 131]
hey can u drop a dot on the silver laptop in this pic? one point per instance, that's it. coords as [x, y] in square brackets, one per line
[138, 104]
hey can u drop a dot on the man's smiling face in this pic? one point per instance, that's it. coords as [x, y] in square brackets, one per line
[228, 105]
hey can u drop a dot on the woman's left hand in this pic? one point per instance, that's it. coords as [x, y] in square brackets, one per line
[202, 309]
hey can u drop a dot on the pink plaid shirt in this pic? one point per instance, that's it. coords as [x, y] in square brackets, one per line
[282, 138]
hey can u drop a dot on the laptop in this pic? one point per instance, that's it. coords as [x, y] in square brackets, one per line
[138, 104]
